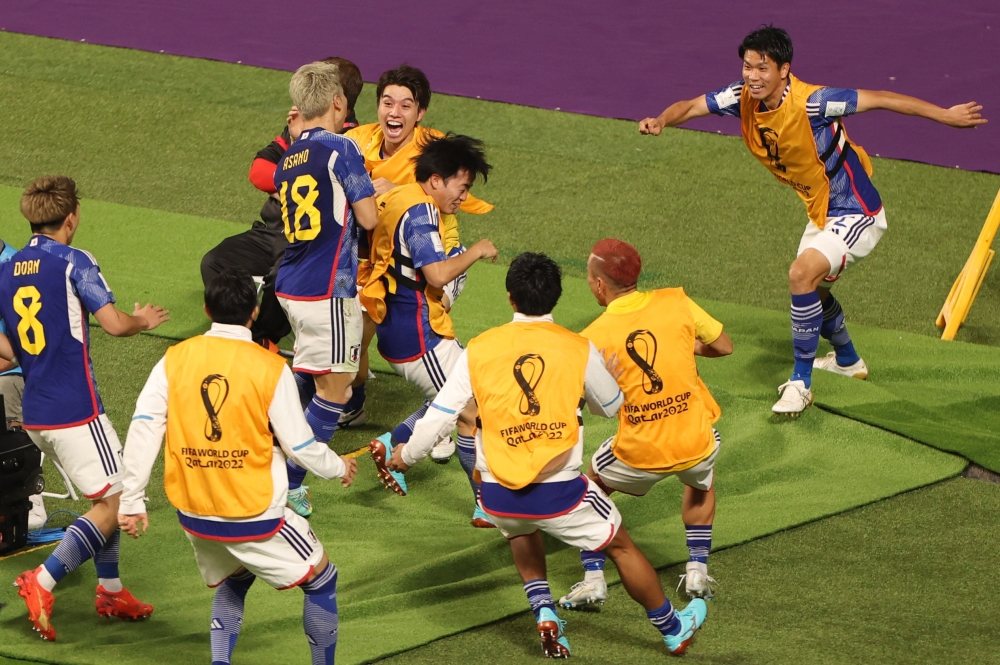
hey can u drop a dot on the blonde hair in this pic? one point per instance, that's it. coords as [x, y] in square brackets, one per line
[313, 88]
[49, 200]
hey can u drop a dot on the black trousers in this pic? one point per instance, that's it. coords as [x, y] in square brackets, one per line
[258, 251]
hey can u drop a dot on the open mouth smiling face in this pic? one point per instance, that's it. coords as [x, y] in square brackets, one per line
[398, 114]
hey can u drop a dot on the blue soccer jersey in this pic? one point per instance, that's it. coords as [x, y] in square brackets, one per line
[318, 180]
[851, 190]
[47, 292]
[405, 333]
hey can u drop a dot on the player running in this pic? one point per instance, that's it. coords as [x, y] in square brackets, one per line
[323, 188]
[409, 270]
[796, 130]
[531, 379]
[222, 402]
[48, 291]
[665, 425]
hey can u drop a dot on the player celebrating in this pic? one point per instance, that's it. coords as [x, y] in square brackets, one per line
[796, 130]
[48, 291]
[323, 187]
[528, 377]
[390, 147]
[409, 268]
[222, 401]
[665, 425]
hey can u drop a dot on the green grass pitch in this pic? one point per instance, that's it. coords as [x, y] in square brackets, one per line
[160, 146]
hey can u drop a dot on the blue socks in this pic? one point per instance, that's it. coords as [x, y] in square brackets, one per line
[539, 596]
[807, 319]
[307, 387]
[404, 431]
[319, 615]
[592, 560]
[466, 446]
[296, 474]
[106, 562]
[665, 619]
[82, 541]
[835, 331]
[357, 400]
[699, 541]
[227, 615]
[323, 418]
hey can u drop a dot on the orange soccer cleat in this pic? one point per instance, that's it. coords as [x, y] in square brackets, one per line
[381, 451]
[39, 602]
[121, 604]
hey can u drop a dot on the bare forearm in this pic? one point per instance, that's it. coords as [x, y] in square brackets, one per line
[680, 112]
[447, 270]
[869, 100]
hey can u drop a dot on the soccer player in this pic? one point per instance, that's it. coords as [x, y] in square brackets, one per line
[796, 130]
[409, 270]
[665, 425]
[259, 249]
[218, 397]
[323, 188]
[390, 147]
[530, 379]
[48, 291]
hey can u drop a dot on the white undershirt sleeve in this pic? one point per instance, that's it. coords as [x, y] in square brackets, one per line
[442, 414]
[144, 439]
[294, 434]
[600, 389]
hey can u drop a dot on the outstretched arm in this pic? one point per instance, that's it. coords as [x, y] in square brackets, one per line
[960, 115]
[675, 114]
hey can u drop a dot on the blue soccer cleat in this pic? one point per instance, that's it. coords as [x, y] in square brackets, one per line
[691, 618]
[381, 451]
[481, 520]
[550, 631]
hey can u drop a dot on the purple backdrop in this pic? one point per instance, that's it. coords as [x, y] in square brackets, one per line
[625, 60]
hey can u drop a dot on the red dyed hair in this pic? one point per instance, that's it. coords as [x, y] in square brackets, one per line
[619, 261]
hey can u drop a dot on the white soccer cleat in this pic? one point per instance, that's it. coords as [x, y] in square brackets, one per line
[697, 582]
[795, 398]
[585, 593]
[37, 516]
[443, 450]
[858, 370]
[353, 418]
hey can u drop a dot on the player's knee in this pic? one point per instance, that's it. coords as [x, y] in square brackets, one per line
[801, 278]
[210, 266]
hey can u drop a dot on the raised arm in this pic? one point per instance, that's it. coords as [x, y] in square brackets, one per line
[440, 273]
[961, 115]
[675, 114]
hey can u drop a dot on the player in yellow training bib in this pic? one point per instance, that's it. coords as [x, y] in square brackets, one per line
[230, 412]
[665, 425]
[531, 379]
[796, 130]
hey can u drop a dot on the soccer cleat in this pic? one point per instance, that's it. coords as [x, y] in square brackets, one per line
[795, 398]
[691, 618]
[121, 604]
[697, 582]
[585, 593]
[381, 451]
[550, 632]
[481, 520]
[298, 500]
[443, 450]
[353, 418]
[39, 602]
[858, 370]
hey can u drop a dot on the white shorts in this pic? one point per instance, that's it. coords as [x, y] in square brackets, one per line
[431, 370]
[284, 560]
[90, 454]
[589, 526]
[621, 477]
[327, 334]
[844, 240]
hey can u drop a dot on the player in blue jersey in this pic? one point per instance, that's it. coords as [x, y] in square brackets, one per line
[323, 189]
[48, 291]
[796, 130]
[405, 292]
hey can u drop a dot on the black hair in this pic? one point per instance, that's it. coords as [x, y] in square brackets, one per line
[447, 155]
[410, 78]
[769, 41]
[534, 282]
[231, 297]
[350, 79]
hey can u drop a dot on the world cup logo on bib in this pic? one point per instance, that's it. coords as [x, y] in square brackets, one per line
[214, 391]
[528, 370]
[641, 348]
